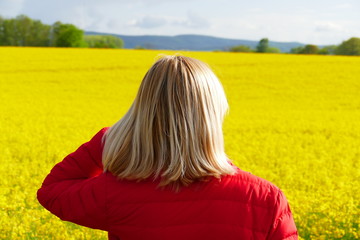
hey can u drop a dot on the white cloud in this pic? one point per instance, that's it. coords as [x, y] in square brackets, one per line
[343, 6]
[149, 22]
[255, 10]
[327, 27]
[307, 21]
[193, 20]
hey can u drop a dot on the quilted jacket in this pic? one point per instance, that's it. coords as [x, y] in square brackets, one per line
[240, 206]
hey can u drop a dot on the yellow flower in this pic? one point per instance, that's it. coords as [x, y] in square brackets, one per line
[293, 120]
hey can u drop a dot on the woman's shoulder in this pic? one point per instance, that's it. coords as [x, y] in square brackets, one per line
[254, 188]
[253, 179]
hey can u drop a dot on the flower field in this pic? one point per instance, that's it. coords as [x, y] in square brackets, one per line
[294, 120]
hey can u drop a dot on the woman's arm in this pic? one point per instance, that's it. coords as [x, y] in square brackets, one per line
[284, 227]
[75, 189]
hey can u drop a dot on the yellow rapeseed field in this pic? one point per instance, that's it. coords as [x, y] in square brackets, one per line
[294, 120]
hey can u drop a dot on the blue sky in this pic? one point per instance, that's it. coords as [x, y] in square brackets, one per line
[307, 21]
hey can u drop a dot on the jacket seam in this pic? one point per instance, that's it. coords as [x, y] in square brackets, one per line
[192, 200]
[273, 217]
[193, 224]
[91, 156]
[287, 212]
[84, 174]
[291, 235]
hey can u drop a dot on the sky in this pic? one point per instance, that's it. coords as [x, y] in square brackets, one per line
[321, 22]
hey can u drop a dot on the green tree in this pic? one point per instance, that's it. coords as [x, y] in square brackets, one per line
[139, 47]
[349, 47]
[328, 50]
[67, 35]
[2, 31]
[307, 49]
[240, 48]
[8, 33]
[39, 34]
[273, 50]
[310, 49]
[103, 41]
[31, 32]
[297, 50]
[22, 30]
[54, 32]
[263, 45]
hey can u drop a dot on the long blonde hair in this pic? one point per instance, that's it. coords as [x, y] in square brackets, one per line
[173, 129]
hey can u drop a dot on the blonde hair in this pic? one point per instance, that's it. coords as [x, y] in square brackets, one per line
[173, 130]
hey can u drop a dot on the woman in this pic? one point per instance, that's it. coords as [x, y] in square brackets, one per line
[160, 172]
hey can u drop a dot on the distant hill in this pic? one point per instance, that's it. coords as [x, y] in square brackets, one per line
[192, 42]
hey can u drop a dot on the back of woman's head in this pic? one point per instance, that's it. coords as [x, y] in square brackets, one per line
[173, 130]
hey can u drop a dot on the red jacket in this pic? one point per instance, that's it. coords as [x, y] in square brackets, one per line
[241, 206]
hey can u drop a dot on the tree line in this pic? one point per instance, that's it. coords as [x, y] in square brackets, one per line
[24, 31]
[348, 47]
